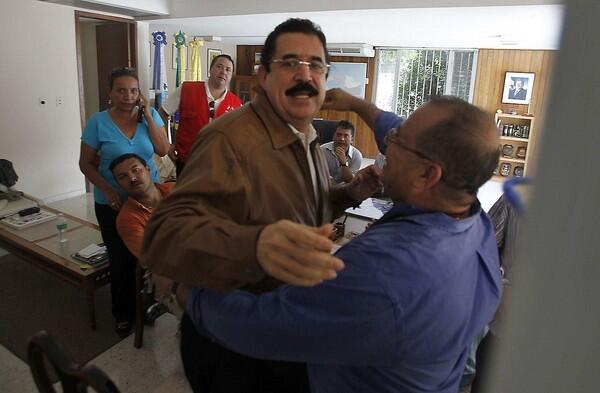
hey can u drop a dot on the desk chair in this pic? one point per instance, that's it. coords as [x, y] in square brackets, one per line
[140, 285]
[143, 314]
[74, 378]
[325, 129]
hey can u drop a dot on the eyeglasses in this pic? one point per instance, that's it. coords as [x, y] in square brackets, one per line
[211, 109]
[392, 137]
[318, 67]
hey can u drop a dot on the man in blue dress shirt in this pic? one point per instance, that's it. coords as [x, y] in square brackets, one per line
[418, 285]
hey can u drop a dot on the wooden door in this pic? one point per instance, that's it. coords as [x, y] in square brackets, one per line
[115, 48]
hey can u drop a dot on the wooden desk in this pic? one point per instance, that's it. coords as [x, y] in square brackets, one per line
[39, 246]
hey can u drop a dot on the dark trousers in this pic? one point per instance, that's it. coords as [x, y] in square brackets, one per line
[122, 265]
[179, 167]
[211, 368]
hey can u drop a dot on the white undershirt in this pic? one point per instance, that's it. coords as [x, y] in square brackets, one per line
[306, 141]
[171, 105]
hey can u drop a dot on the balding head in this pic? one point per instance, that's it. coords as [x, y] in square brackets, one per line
[464, 142]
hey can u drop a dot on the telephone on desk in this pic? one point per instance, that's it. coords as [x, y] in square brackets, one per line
[8, 208]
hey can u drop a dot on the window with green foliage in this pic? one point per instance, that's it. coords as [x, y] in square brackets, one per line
[406, 78]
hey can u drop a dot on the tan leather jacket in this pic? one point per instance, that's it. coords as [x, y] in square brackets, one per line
[246, 170]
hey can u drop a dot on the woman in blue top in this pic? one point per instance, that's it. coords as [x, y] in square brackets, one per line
[128, 126]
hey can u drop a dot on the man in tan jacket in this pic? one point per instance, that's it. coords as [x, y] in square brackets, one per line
[254, 207]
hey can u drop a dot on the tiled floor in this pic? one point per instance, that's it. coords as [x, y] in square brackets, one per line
[156, 367]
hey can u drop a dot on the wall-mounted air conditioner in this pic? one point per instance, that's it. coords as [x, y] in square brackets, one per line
[360, 50]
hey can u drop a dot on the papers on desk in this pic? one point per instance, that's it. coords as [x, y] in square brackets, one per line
[91, 250]
[371, 208]
[94, 254]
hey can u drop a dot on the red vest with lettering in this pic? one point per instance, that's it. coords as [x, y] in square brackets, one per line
[194, 114]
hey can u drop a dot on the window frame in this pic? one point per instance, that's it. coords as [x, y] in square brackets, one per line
[449, 70]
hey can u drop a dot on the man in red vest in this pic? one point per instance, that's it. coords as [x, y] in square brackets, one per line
[198, 104]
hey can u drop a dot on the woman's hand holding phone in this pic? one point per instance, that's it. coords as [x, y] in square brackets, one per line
[143, 107]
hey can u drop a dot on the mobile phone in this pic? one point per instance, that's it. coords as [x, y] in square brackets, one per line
[140, 111]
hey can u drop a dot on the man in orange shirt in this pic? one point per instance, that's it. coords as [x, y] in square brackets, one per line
[132, 173]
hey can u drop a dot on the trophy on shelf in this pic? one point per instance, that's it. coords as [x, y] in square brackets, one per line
[528, 114]
[505, 168]
[517, 132]
[518, 171]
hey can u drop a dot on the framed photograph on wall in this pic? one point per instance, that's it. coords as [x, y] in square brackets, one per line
[518, 87]
[212, 53]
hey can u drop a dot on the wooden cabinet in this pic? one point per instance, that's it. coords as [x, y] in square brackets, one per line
[243, 87]
[516, 145]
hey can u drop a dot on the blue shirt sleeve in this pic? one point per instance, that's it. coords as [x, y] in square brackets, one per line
[349, 320]
[90, 133]
[385, 122]
[156, 117]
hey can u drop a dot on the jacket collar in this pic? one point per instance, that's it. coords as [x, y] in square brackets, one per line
[278, 129]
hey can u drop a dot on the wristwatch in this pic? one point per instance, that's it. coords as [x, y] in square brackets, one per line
[345, 164]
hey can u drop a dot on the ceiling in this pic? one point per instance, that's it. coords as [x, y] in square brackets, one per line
[516, 24]
[525, 27]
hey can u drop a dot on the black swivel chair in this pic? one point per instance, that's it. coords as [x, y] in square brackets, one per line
[325, 129]
[74, 378]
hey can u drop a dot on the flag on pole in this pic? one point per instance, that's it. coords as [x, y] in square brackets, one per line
[159, 77]
[195, 67]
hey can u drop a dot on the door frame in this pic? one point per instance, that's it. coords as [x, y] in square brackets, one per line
[132, 60]
[132, 57]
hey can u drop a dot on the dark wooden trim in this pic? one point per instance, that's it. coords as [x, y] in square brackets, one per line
[133, 45]
[93, 15]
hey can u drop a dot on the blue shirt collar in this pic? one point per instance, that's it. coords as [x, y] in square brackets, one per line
[404, 211]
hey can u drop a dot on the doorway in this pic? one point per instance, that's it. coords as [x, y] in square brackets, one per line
[103, 43]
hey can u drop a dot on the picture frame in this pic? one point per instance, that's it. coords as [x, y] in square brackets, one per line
[518, 88]
[211, 54]
[351, 77]
[257, 58]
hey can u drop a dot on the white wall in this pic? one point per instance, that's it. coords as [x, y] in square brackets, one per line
[143, 56]
[39, 60]
[194, 8]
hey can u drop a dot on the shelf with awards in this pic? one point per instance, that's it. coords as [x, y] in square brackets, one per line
[516, 132]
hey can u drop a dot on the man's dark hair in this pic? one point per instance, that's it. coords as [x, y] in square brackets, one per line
[292, 25]
[346, 125]
[124, 157]
[119, 72]
[214, 60]
[462, 144]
